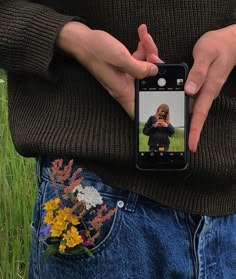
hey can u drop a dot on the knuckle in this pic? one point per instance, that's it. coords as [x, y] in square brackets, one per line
[199, 73]
[121, 57]
[142, 73]
[219, 82]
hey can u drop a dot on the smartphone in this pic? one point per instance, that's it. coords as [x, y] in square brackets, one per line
[162, 119]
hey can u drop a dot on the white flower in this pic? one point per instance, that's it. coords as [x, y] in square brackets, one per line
[88, 194]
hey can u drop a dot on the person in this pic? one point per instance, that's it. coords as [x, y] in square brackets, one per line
[159, 129]
[71, 68]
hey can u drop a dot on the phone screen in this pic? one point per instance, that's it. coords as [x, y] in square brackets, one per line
[162, 119]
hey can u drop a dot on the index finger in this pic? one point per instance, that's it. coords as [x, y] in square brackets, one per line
[149, 45]
[199, 115]
[214, 81]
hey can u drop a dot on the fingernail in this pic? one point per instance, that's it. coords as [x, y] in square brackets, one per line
[153, 70]
[191, 87]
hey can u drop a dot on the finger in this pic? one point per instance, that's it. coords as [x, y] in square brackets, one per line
[154, 59]
[142, 31]
[151, 50]
[191, 104]
[149, 45]
[199, 116]
[136, 68]
[147, 40]
[128, 63]
[140, 53]
[215, 80]
[197, 75]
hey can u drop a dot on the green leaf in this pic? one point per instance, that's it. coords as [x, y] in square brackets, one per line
[79, 250]
[53, 240]
[2, 80]
[76, 250]
[89, 253]
[52, 249]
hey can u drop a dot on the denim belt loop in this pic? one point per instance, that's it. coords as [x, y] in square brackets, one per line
[131, 202]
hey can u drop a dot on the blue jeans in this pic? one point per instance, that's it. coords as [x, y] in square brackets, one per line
[143, 240]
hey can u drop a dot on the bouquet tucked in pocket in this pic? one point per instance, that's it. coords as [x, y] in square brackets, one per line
[66, 228]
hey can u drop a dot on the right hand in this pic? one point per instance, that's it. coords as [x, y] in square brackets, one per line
[109, 61]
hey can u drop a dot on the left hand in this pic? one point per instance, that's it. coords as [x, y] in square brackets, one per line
[214, 58]
[163, 124]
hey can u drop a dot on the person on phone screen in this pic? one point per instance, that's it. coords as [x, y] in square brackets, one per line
[159, 129]
[71, 69]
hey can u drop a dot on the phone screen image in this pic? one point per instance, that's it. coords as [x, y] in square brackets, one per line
[161, 120]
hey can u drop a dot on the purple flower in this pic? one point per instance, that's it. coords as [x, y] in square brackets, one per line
[45, 230]
[86, 242]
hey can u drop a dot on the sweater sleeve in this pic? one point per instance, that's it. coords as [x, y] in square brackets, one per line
[148, 127]
[171, 130]
[28, 32]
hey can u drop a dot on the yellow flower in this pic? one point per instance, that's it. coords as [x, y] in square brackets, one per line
[57, 227]
[52, 204]
[60, 220]
[49, 218]
[66, 215]
[62, 248]
[72, 237]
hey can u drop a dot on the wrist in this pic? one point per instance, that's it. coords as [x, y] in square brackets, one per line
[71, 36]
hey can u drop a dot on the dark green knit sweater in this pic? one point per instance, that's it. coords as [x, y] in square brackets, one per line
[57, 108]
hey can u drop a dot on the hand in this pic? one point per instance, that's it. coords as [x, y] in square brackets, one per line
[109, 61]
[156, 124]
[164, 124]
[214, 58]
[160, 123]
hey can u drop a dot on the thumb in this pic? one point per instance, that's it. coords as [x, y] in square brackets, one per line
[198, 72]
[139, 69]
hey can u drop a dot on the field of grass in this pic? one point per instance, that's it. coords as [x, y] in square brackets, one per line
[17, 193]
[176, 140]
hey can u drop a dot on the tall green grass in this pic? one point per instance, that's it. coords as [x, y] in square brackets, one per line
[17, 193]
[176, 140]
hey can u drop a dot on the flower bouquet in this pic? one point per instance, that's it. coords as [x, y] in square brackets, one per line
[65, 228]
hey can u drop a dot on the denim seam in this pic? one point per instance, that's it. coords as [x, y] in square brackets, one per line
[200, 252]
[192, 247]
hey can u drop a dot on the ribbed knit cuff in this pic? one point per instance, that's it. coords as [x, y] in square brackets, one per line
[27, 37]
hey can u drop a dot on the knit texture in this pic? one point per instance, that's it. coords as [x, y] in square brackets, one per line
[57, 109]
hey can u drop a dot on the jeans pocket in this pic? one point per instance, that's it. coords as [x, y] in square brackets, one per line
[107, 232]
